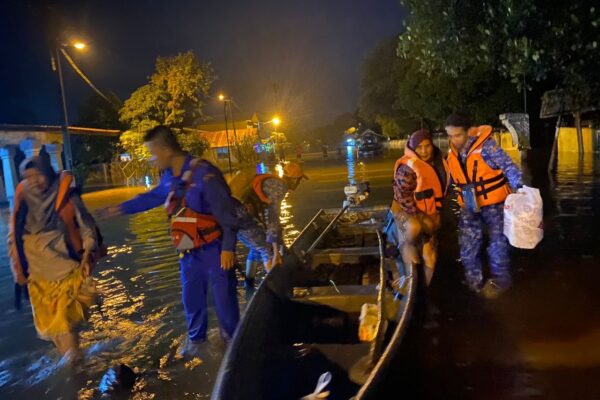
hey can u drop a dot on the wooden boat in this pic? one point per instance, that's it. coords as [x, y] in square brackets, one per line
[303, 320]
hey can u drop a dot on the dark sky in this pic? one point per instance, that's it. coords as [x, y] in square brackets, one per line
[300, 58]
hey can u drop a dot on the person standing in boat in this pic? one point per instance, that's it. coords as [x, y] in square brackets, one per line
[203, 228]
[53, 243]
[263, 203]
[420, 182]
[483, 175]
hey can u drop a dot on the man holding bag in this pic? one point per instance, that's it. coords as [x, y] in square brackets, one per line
[483, 175]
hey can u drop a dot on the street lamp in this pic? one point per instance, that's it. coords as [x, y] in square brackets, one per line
[224, 100]
[65, 126]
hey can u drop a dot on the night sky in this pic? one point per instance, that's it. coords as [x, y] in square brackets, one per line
[300, 59]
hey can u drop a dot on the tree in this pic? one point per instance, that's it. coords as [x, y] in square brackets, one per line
[523, 41]
[172, 97]
[382, 74]
[399, 96]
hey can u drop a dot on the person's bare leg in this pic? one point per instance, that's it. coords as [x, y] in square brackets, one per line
[68, 346]
[429, 258]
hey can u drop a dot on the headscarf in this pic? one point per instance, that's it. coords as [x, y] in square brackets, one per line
[40, 215]
[417, 137]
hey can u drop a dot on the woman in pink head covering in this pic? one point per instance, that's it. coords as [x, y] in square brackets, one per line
[420, 181]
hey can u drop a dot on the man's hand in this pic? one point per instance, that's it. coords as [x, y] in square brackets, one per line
[108, 212]
[227, 260]
[20, 278]
[86, 264]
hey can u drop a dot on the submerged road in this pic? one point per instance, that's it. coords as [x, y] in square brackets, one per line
[541, 339]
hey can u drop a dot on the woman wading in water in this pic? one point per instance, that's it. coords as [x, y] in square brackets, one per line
[52, 241]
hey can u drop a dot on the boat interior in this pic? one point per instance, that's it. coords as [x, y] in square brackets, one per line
[308, 312]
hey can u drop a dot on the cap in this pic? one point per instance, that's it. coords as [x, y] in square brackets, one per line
[293, 170]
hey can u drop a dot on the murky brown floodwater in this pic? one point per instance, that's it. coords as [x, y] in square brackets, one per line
[538, 341]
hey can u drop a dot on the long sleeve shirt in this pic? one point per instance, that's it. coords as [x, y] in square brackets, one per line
[275, 190]
[405, 184]
[497, 158]
[208, 193]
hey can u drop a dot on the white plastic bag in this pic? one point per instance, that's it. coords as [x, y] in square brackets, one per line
[523, 213]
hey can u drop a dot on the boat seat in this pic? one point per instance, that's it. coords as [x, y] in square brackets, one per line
[343, 255]
[346, 298]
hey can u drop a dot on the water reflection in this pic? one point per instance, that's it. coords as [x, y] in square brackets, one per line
[140, 321]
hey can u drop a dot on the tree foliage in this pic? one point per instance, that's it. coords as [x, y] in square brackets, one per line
[172, 97]
[479, 56]
[531, 39]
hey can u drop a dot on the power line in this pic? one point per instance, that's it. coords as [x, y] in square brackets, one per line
[85, 78]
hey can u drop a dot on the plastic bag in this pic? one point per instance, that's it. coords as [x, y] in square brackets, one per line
[523, 214]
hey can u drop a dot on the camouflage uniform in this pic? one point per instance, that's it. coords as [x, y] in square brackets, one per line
[472, 225]
[264, 230]
[252, 235]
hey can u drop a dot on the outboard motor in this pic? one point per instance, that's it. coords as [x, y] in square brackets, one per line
[356, 194]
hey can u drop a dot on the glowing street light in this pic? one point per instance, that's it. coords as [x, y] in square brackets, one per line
[276, 121]
[225, 100]
[60, 47]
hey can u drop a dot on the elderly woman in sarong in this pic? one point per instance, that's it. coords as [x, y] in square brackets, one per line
[52, 238]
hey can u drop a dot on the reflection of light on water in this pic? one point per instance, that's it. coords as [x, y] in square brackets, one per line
[279, 170]
[350, 164]
[576, 184]
[289, 229]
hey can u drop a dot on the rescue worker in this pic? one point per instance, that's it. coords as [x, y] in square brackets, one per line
[483, 175]
[420, 182]
[53, 243]
[203, 229]
[264, 203]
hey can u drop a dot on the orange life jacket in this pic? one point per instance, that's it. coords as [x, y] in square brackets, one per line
[429, 193]
[190, 229]
[491, 186]
[257, 186]
[65, 210]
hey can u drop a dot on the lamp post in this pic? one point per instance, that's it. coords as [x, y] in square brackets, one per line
[224, 100]
[276, 121]
[65, 125]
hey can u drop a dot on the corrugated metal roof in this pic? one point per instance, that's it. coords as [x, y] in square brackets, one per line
[219, 138]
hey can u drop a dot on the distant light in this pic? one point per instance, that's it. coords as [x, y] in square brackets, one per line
[350, 142]
[261, 168]
[147, 181]
[279, 170]
[276, 121]
[221, 97]
[79, 45]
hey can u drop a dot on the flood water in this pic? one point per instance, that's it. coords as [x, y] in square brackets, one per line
[540, 340]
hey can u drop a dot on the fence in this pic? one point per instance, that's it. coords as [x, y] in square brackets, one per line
[130, 173]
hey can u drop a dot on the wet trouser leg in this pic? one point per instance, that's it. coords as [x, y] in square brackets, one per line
[254, 238]
[497, 250]
[197, 267]
[470, 240]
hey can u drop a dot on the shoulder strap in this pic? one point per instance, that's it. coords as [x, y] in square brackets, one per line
[66, 183]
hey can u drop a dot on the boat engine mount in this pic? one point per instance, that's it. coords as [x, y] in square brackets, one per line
[356, 194]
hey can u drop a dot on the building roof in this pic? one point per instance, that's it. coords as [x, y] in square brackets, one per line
[219, 138]
[77, 130]
[220, 126]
